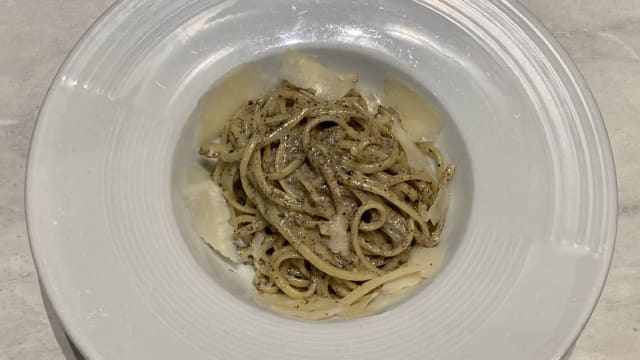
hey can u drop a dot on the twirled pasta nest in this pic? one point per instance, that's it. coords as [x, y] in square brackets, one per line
[325, 200]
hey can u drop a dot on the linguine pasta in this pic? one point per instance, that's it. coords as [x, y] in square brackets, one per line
[328, 203]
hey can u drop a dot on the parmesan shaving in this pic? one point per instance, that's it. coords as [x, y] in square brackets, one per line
[371, 98]
[210, 214]
[420, 118]
[304, 72]
[439, 207]
[219, 104]
[429, 258]
[417, 160]
[246, 273]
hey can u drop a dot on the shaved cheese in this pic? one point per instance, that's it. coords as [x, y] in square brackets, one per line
[417, 160]
[304, 72]
[420, 118]
[246, 273]
[218, 105]
[338, 240]
[439, 207]
[210, 214]
[430, 258]
[371, 98]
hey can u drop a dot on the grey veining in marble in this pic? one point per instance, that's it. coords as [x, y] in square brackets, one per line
[603, 37]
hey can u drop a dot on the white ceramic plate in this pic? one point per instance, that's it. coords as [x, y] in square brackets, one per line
[530, 232]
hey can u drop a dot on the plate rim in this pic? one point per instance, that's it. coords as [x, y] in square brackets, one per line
[581, 85]
[76, 337]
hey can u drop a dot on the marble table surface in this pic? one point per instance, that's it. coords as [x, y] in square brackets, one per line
[603, 37]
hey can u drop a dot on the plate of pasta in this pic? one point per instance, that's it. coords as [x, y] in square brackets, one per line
[378, 180]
